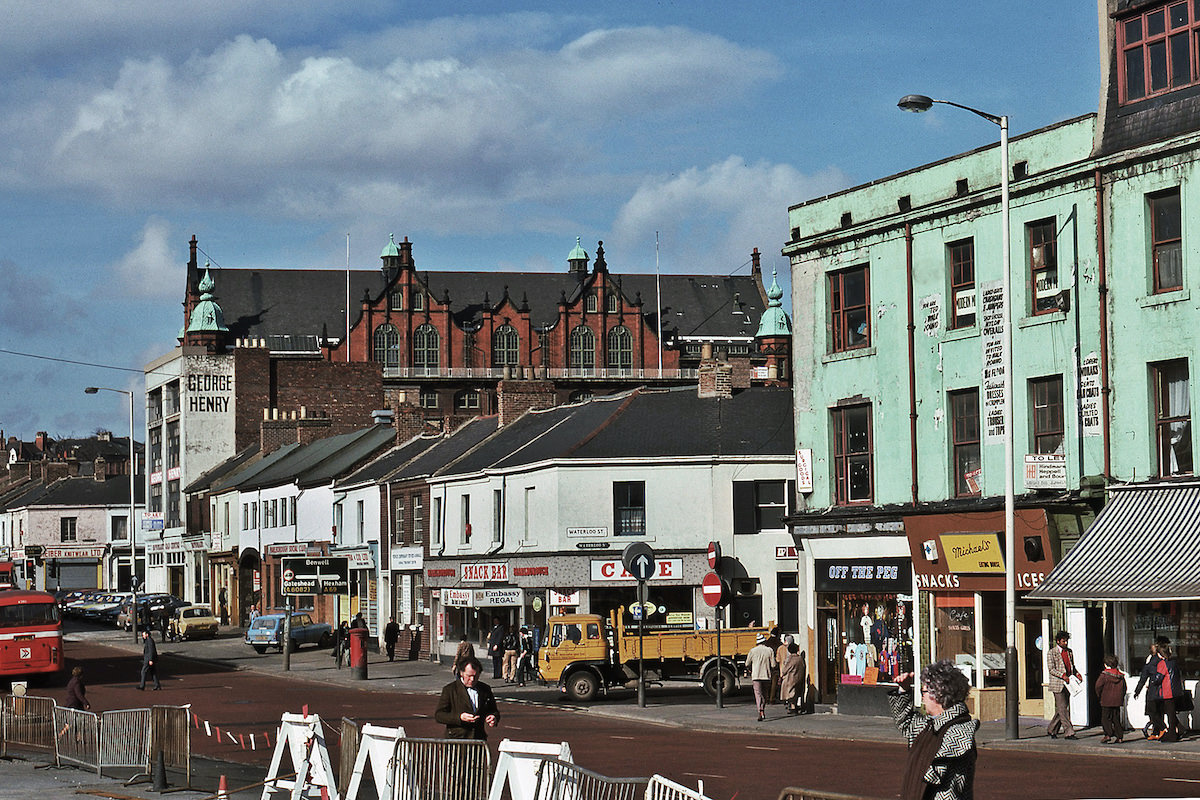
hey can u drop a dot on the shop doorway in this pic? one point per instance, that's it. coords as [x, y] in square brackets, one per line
[830, 646]
[175, 581]
[1031, 655]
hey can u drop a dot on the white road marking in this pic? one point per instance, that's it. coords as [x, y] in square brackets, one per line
[704, 775]
[622, 737]
[753, 747]
[422, 716]
[1183, 780]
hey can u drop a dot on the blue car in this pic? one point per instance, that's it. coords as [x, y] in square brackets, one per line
[267, 631]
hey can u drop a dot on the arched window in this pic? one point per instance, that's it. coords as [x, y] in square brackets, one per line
[505, 346]
[589, 302]
[426, 344]
[467, 399]
[620, 349]
[610, 301]
[582, 354]
[387, 346]
[396, 299]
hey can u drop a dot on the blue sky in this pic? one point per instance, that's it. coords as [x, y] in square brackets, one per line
[491, 134]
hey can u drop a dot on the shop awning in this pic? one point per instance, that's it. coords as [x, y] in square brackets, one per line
[1144, 545]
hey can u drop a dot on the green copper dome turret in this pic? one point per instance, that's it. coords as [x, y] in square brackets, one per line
[207, 316]
[390, 250]
[774, 320]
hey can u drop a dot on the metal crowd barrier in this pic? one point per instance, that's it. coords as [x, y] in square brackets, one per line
[562, 780]
[171, 735]
[77, 738]
[661, 788]
[442, 769]
[26, 721]
[348, 745]
[126, 738]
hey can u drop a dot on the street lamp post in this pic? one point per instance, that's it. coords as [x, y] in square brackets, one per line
[133, 580]
[919, 102]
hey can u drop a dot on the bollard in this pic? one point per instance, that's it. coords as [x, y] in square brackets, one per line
[160, 773]
[358, 653]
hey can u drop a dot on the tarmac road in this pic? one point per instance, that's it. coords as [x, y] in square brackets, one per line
[680, 734]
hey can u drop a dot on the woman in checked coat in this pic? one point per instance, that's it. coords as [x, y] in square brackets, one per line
[941, 746]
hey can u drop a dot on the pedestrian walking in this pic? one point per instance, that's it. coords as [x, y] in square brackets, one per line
[512, 646]
[525, 666]
[391, 635]
[792, 673]
[342, 643]
[759, 662]
[467, 707]
[464, 653]
[223, 605]
[1154, 711]
[1110, 687]
[1062, 670]
[77, 691]
[941, 743]
[780, 654]
[164, 621]
[1170, 692]
[149, 661]
[774, 642]
[496, 647]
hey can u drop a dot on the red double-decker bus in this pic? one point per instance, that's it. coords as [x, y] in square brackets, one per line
[31, 640]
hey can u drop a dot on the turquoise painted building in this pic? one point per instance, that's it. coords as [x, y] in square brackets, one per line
[898, 359]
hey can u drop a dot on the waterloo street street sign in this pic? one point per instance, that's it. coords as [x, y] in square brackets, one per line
[329, 575]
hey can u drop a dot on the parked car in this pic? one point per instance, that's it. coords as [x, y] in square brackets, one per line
[267, 631]
[193, 622]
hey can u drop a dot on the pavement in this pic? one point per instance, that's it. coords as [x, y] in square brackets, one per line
[680, 705]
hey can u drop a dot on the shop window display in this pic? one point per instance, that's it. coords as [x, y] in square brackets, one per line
[1177, 620]
[876, 637]
[955, 622]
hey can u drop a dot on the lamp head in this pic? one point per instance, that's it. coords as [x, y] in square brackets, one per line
[915, 102]
[91, 390]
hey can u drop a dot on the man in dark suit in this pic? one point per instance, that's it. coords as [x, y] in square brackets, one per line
[467, 707]
[149, 660]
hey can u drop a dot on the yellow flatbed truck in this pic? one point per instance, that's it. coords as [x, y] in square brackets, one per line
[587, 654]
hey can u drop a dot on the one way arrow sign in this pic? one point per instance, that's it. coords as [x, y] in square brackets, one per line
[638, 559]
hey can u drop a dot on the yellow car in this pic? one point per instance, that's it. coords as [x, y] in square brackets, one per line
[193, 622]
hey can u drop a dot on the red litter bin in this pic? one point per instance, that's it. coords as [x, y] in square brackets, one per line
[358, 653]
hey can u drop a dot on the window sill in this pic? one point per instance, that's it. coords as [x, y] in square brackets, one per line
[966, 332]
[527, 543]
[1042, 319]
[1164, 298]
[858, 352]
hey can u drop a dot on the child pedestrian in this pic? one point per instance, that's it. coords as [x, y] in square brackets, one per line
[1111, 687]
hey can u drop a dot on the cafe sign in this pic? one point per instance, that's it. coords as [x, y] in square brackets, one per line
[973, 552]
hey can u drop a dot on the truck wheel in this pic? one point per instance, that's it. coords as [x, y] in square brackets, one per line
[727, 678]
[582, 686]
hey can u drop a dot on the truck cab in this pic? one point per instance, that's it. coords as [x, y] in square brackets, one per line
[578, 645]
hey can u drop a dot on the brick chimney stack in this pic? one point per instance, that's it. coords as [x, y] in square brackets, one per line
[515, 397]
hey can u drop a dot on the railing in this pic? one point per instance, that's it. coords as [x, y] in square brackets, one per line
[661, 788]
[497, 373]
[442, 769]
[794, 793]
[170, 735]
[348, 745]
[77, 738]
[27, 721]
[126, 738]
[562, 780]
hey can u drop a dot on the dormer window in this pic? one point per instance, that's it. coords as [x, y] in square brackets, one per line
[1155, 50]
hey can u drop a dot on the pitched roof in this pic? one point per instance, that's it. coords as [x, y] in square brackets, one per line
[216, 473]
[642, 424]
[86, 491]
[390, 461]
[447, 448]
[278, 304]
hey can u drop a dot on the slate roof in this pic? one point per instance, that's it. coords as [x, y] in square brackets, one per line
[364, 445]
[211, 476]
[85, 491]
[390, 461]
[291, 307]
[643, 423]
[20, 495]
[240, 477]
[448, 448]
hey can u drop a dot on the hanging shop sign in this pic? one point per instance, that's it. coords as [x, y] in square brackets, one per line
[405, 559]
[965, 551]
[973, 552]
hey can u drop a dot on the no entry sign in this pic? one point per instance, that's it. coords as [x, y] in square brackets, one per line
[714, 589]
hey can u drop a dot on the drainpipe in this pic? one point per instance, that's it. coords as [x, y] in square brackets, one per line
[1102, 281]
[503, 514]
[912, 358]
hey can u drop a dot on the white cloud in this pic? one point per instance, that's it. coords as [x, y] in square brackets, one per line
[711, 216]
[150, 269]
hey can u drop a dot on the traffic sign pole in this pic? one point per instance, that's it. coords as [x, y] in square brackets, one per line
[641, 666]
[287, 637]
[720, 674]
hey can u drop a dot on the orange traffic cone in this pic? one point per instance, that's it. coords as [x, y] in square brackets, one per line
[222, 792]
